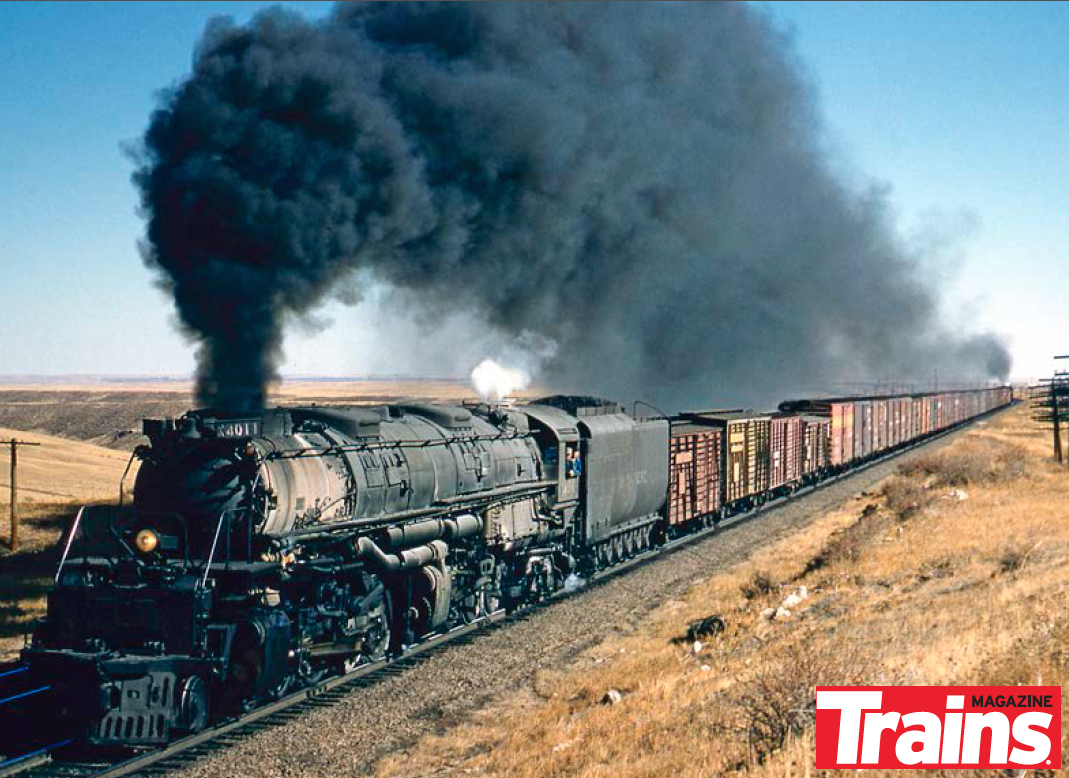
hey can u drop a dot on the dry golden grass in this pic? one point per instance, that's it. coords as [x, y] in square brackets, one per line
[60, 470]
[55, 478]
[946, 591]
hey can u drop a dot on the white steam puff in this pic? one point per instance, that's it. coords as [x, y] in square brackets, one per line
[494, 381]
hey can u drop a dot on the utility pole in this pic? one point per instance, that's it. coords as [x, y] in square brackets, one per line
[1059, 381]
[15, 491]
[1048, 407]
[1057, 424]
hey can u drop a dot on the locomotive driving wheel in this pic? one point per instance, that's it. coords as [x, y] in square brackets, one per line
[377, 638]
[193, 705]
[478, 605]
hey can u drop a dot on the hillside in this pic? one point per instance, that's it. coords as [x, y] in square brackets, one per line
[110, 414]
[60, 470]
[55, 478]
[951, 572]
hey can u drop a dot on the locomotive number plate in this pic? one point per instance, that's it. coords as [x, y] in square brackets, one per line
[237, 429]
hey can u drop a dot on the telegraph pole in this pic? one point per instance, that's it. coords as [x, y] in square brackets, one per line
[1057, 424]
[15, 491]
[1047, 406]
[1059, 380]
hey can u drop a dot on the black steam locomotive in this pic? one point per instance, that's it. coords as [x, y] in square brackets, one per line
[265, 553]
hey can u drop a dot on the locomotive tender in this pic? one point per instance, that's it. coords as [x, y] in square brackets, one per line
[266, 552]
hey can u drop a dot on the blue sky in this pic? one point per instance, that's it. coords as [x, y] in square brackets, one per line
[959, 109]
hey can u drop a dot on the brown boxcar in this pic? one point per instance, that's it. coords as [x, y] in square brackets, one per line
[786, 452]
[842, 443]
[903, 412]
[816, 449]
[879, 425]
[863, 422]
[862, 426]
[917, 418]
[894, 422]
[842, 433]
[695, 453]
[746, 449]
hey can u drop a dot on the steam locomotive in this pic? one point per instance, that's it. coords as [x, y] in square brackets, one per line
[266, 552]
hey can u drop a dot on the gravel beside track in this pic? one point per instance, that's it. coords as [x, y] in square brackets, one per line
[351, 735]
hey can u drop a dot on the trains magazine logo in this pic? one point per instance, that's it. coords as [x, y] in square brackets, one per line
[985, 727]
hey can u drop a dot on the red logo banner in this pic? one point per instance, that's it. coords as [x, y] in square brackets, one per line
[986, 727]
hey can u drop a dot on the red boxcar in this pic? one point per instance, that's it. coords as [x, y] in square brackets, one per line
[787, 451]
[816, 440]
[880, 415]
[916, 428]
[863, 423]
[842, 433]
[694, 455]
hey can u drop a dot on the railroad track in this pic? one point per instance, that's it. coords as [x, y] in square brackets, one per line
[40, 764]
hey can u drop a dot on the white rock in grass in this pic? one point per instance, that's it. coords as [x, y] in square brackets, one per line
[796, 598]
[782, 613]
[697, 646]
[612, 697]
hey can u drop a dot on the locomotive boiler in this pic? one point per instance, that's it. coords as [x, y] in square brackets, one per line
[264, 552]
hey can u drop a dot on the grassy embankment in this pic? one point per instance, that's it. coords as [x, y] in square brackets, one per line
[54, 480]
[951, 572]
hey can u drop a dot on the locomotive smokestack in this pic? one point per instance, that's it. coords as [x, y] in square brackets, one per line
[642, 183]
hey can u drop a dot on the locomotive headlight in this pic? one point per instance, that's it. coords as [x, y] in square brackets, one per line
[146, 541]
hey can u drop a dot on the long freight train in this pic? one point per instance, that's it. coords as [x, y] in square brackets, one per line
[263, 553]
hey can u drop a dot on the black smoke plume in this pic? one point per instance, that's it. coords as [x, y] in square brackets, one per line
[645, 184]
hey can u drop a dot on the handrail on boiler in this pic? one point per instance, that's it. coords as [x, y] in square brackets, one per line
[70, 540]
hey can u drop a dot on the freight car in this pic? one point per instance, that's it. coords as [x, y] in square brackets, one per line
[264, 552]
[863, 427]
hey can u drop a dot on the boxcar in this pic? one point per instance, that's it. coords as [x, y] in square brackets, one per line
[880, 423]
[916, 405]
[816, 448]
[860, 427]
[842, 432]
[746, 451]
[840, 416]
[863, 437]
[695, 453]
[786, 451]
